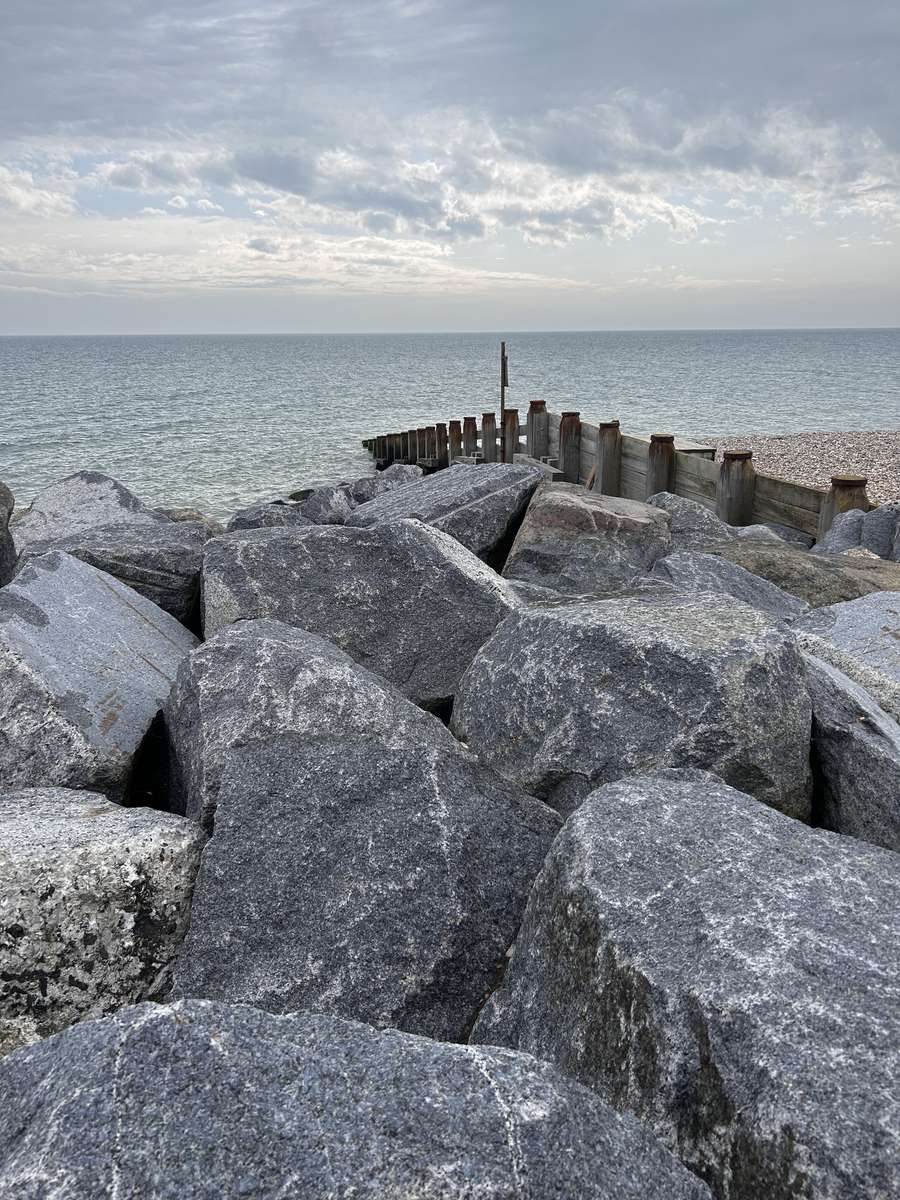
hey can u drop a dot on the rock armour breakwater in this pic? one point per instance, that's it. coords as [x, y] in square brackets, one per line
[456, 833]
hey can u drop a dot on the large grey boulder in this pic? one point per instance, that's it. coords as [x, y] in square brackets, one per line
[160, 561]
[867, 629]
[274, 514]
[403, 599]
[694, 526]
[361, 863]
[561, 699]
[877, 530]
[85, 665]
[330, 505]
[93, 905]
[819, 579]
[727, 975]
[203, 1101]
[880, 687]
[481, 505]
[577, 542]
[7, 546]
[692, 571]
[856, 758]
[85, 500]
[361, 491]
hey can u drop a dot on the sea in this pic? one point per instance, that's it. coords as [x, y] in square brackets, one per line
[223, 421]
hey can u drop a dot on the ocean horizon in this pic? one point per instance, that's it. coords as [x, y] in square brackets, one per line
[223, 420]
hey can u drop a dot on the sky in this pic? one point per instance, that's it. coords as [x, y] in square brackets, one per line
[388, 165]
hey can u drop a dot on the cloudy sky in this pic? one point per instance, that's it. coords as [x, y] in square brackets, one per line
[426, 164]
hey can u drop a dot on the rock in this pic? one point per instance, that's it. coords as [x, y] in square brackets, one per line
[856, 758]
[85, 500]
[576, 541]
[188, 513]
[695, 572]
[85, 665]
[403, 599]
[794, 537]
[205, 1101]
[695, 527]
[481, 506]
[819, 579]
[160, 561]
[559, 700]
[94, 903]
[7, 546]
[727, 975]
[327, 506]
[868, 629]
[361, 491]
[880, 687]
[877, 531]
[360, 862]
[273, 514]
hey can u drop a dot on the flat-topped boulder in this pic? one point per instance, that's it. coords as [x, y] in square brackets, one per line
[85, 500]
[361, 491]
[577, 542]
[884, 690]
[856, 758]
[481, 505]
[93, 904]
[561, 699]
[727, 975]
[161, 561]
[867, 629]
[360, 861]
[85, 666]
[692, 571]
[273, 514]
[694, 526]
[208, 1101]
[404, 599]
[819, 579]
[877, 531]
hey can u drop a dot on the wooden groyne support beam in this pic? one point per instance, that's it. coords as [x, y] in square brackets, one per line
[601, 457]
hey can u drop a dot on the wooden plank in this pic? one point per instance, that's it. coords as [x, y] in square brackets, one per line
[795, 495]
[683, 445]
[690, 466]
[765, 510]
[553, 434]
[587, 463]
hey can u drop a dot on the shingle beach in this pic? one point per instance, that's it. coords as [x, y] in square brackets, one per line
[812, 458]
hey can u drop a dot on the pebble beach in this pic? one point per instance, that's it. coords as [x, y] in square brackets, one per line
[812, 458]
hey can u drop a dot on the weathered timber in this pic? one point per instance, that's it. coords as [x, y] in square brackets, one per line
[489, 437]
[537, 434]
[847, 492]
[609, 458]
[455, 436]
[510, 434]
[660, 464]
[570, 445]
[736, 487]
[470, 436]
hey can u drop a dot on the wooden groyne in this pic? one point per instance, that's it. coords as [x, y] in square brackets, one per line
[603, 458]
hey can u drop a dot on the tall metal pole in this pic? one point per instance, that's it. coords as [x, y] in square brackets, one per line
[504, 384]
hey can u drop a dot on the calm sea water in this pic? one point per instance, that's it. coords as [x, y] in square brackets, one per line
[224, 421]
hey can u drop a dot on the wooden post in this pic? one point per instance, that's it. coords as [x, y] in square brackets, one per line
[429, 441]
[609, 459]
[404, 446]
[413, 445]
[504, 380]
[382, 447]
[847, 492]
[423, 442]
[470, 436]
[570, 445]
[736, 487]
[538, 436]
[440, 446]
[510, 434]
[455, 440]
[489, 437]
[661, 464]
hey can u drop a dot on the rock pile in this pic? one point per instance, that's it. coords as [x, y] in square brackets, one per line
[499, 839]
